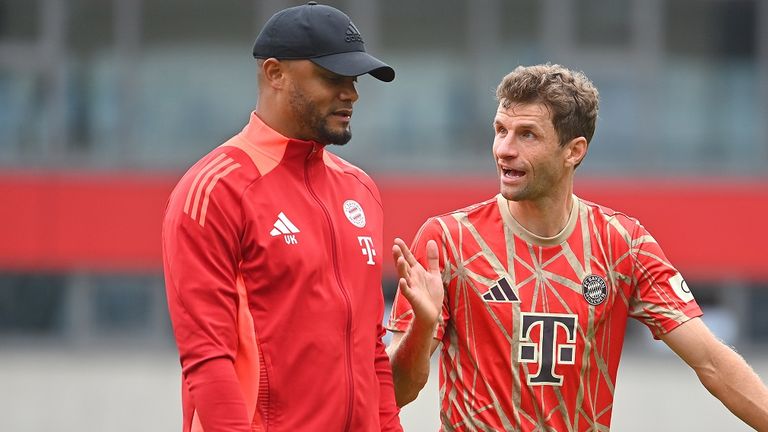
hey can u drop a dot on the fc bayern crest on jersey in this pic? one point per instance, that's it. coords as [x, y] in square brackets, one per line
[594, 289]
[354, 213]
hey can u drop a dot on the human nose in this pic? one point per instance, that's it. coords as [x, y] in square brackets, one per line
[505, 147]
[349, 92]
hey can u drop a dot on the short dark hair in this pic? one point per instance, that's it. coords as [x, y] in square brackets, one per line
[570, 95]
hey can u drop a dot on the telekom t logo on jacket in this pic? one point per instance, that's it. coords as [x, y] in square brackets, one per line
[368, 251]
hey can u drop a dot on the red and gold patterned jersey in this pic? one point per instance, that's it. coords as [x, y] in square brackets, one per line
[532, 328]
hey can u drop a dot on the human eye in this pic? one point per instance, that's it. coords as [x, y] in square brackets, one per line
[340, 79]
[528, 134]
[499, 129]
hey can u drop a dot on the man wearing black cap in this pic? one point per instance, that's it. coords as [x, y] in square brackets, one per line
[272, 250]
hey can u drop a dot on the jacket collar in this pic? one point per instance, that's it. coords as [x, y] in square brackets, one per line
[279, 147]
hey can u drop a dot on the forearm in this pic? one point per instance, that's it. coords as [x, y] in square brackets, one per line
[217, 396]
[410, 360]
[729, 378]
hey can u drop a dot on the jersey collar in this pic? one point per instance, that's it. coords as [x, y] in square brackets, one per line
[532, 238]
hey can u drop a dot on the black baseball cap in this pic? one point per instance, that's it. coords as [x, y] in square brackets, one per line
[322, 34]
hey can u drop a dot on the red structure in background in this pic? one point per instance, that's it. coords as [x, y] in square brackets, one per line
[111, 221]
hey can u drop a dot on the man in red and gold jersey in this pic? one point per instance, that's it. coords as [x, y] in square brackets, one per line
[272, 251]
[530, 292]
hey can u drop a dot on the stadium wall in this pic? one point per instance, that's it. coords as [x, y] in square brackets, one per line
[57, 220]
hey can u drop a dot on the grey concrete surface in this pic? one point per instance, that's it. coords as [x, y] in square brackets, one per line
[655, 392]
[44, 390]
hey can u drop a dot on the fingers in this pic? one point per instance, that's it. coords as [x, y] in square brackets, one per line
[402, 267]
[406, 252]
[402, 285]
[433, 257]
[403, 270]
[396, 251]
[408, 292]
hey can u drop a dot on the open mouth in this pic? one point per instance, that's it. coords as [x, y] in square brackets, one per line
[343, 114]
[512, 173]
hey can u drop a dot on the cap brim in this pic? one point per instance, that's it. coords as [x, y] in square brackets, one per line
[356, 63]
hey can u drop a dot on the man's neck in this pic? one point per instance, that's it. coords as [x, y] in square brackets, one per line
[546, 217]
[270, 113]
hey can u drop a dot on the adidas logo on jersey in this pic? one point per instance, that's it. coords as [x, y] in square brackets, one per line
[501, 293]
[286, 228]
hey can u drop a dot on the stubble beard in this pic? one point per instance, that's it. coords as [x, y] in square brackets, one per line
[533, 189]
[312, 121]
[514, 193]
[530, 189]
[511, 194]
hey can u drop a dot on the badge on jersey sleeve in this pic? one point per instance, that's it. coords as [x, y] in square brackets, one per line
[681, 288]
[594, 289]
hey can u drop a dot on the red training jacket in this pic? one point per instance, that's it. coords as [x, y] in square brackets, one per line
[272, 251]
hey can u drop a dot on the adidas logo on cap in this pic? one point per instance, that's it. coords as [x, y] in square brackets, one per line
[353, 34]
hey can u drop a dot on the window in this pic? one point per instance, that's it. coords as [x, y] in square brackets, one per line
[186, 21]
[31, 303]
[424, 25]
[19, 19]
[711, 28]
[520, 21]
[603, 23]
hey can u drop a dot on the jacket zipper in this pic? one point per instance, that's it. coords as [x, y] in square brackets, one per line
[345, 294]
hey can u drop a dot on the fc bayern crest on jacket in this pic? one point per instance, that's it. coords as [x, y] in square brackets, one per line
[594, 289]
[354, 212]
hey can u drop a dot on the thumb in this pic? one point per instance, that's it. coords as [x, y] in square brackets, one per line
[433, 258]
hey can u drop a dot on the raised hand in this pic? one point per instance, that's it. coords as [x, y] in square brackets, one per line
[423, 288]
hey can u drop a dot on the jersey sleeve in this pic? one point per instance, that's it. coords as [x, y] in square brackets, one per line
[661, 299]
[389, 413]
[402, 314]
[201, 253]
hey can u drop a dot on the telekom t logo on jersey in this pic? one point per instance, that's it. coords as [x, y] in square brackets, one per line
[547, 353]
[368, 250]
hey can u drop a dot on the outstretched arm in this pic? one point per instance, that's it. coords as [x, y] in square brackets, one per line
[410, 351]
[722, 371]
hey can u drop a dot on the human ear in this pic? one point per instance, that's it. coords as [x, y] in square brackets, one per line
[577, 150]
[274, 72]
